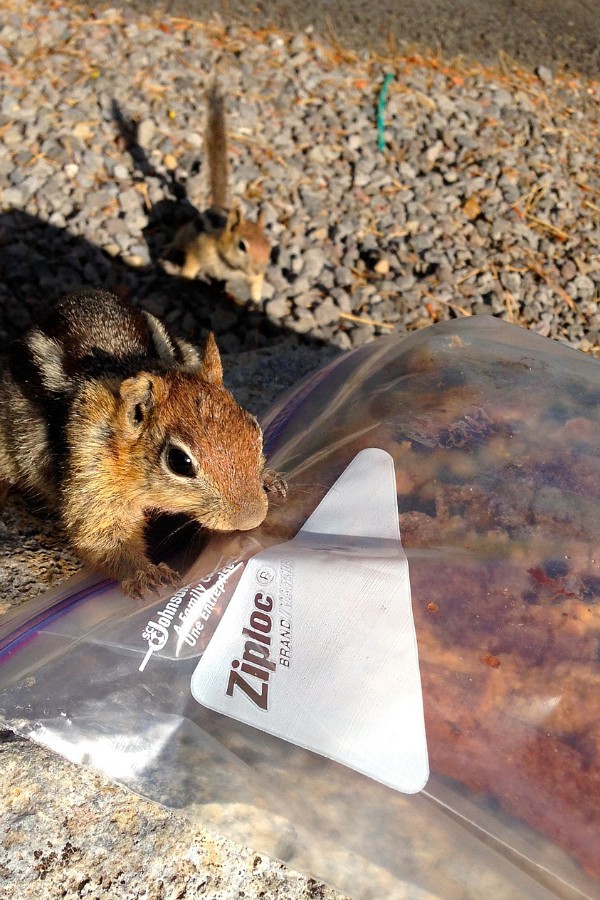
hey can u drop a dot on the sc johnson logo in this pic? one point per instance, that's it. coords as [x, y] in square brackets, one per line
[256, 662]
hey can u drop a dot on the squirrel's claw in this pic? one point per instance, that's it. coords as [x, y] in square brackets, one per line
[153, 578]
[274, 483]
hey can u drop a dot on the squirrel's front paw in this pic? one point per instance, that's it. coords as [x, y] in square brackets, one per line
[152, 578]
[274, 483]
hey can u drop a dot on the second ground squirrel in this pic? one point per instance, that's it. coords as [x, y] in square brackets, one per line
[219, 243]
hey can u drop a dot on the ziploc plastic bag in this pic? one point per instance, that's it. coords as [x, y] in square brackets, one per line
[394, 683]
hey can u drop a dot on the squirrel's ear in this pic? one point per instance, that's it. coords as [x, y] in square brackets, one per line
[260, 221]
[234, 218]
[212, 369]
[137, 396]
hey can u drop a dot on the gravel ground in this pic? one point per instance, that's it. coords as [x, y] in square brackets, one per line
[484, 200]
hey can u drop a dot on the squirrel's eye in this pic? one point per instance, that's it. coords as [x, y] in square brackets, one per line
[243, 246]
[180, 463]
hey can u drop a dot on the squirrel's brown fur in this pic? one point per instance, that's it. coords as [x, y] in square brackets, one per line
[108, 417]
[219, 243]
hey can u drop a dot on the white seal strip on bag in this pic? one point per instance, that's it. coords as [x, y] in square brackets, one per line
[317, 645]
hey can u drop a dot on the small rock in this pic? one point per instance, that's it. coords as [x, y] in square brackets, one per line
[299, 286]
[382, 267]
[362, 334]
[268, 291]
[278, 307]
[405, 282]
[298, 44]
[342, 300]
[12, 197]
[341, 340]
[544, 74]
[326, 312]
[343, 276]
[313, 261]
[145, 132]
[569, 270]
[83, 131]
[13, 136]
[584, 287]
[432, 152]
[304, 321]
[304, 301]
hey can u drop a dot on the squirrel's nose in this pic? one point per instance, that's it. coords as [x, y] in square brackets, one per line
[251, 514]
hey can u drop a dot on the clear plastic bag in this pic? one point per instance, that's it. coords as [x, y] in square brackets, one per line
[491, 438]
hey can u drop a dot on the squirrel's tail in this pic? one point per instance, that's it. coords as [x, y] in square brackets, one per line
[216, 145]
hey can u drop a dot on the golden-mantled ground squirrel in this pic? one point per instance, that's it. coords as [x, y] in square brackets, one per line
[219, 243]
[108, 417]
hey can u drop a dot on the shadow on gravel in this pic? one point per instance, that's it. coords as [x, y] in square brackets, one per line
[40, 262]
[167, 216]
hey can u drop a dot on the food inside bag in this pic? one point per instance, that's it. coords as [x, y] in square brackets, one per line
[394, 683]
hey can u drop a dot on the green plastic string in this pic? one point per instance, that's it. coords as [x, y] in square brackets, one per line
[380, 110]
